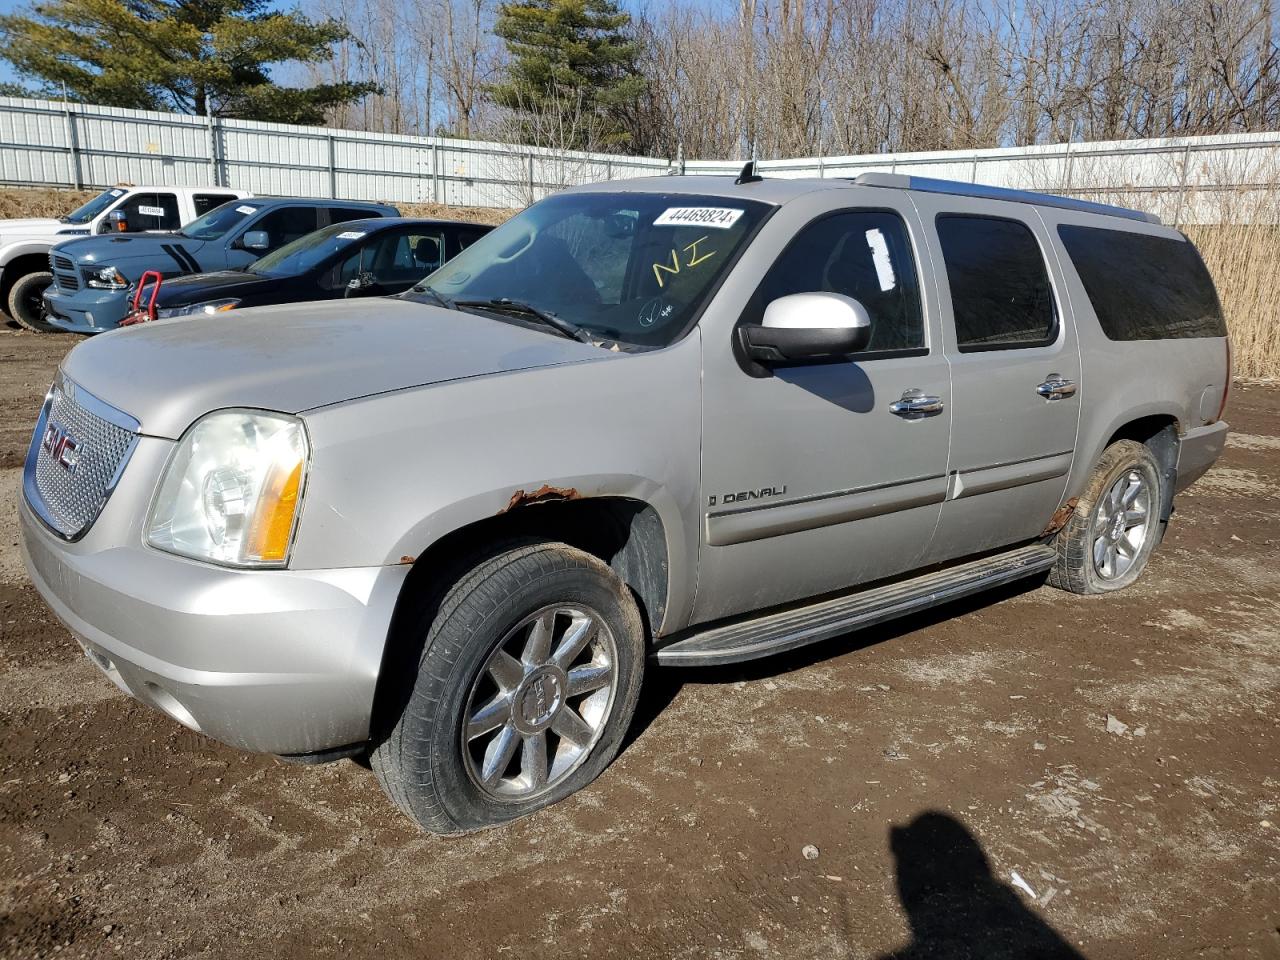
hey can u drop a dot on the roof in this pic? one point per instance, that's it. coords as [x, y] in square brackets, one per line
[369, 223]
[322, 201]
[779, 190]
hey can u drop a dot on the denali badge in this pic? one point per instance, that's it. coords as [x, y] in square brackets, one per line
[744, 495]
[62, 446]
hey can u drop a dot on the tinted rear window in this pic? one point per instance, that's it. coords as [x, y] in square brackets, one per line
[1144, 287]
[1000, 294]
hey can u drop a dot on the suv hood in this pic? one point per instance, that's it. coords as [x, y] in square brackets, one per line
[296, 357]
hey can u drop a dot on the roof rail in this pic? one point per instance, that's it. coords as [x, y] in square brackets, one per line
[902, 181]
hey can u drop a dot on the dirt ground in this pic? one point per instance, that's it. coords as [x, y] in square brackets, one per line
[928, 762]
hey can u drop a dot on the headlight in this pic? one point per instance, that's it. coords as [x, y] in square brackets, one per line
[231, 491]
[208, 306]
[108, 278]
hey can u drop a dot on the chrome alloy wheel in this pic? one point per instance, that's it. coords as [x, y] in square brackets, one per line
[1121, 525]
[540, 703]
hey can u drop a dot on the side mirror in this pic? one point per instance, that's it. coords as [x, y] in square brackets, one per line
[256, 240]
[807, 326]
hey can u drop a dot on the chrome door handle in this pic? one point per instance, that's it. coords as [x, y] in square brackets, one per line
[914, 404]
[1056, 387]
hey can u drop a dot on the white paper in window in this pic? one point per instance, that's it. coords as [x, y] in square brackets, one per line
[880, 257]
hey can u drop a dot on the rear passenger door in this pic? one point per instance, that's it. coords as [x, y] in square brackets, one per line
[1015, 372]
[204, 202]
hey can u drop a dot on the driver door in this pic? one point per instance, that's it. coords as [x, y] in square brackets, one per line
[811, 482]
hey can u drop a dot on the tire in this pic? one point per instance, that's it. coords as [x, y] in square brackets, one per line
[1102, 548]
[482, 644]
[25, 305]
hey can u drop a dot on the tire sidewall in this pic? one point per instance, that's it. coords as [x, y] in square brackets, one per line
[19, 291]
[479, 628]
[1138, 457]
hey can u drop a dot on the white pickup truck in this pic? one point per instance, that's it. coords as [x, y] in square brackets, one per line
[25, 244]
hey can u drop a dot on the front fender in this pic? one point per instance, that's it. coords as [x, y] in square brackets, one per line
[393, 474]
[23, 248]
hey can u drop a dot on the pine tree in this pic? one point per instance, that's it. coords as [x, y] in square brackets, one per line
[570, 55]
[183, 55]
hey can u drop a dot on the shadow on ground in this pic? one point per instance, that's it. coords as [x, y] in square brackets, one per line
[955, 906]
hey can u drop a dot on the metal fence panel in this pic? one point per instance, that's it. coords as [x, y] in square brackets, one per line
[50, 143]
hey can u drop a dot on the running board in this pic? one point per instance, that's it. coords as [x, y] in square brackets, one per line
[796, 627]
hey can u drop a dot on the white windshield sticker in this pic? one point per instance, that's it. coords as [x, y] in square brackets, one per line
[151, 211]
[721, 218]
[245, 209]
[880, 257]
[351, 235]
[117, 193]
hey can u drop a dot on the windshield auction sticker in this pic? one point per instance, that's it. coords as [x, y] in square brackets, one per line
[721, 218]
[245, 210]
[350, 235]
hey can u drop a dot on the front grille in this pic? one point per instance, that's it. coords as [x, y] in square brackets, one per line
[65, 274]
[79, 450]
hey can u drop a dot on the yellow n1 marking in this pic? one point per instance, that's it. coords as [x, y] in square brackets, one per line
[674, 268]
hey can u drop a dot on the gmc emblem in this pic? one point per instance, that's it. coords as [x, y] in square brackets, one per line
[59, 444]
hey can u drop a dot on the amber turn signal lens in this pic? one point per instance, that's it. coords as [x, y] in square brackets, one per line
[268, 538]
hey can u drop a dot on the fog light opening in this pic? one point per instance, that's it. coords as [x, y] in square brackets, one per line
[167, 702]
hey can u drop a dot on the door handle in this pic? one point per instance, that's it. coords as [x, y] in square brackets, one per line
[915, 404]
[1056, 387]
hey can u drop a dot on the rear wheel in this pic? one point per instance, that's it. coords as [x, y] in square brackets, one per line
[1116, 523]
[26, 302]
[522, 687]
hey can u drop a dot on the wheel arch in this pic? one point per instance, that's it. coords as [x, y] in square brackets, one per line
[626, 533]
[1160, 433]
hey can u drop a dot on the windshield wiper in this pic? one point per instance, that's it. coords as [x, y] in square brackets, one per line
[435, 295]
[506, 304]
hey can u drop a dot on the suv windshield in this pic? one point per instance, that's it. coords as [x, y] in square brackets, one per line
[632, 267]
[310, 251]
[94, 207]
[218, 221]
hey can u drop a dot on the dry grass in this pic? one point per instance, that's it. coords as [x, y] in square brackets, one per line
[1244, 261]
[15, 203]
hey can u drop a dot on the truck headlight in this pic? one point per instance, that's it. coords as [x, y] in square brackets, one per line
[108, 278]
[232, 488]
[196, 309]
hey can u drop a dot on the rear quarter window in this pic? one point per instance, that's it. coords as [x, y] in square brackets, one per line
[1144, 287]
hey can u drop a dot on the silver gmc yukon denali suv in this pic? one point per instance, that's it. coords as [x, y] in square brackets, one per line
[675, 421]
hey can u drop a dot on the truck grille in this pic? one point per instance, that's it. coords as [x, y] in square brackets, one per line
[79, 450]
[65, 274]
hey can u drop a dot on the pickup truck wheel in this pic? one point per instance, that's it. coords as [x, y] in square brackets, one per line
[1116, 523]
[525, 685]
[26, 302]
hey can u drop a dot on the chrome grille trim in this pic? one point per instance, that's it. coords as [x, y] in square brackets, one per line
[64, 272]
[69, 500]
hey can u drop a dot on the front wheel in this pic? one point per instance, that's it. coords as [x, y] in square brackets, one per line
[1115, 525]
[521, 691]
[26, 302]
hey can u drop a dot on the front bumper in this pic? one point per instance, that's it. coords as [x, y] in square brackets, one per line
[279, 661]
[87, 310]
[1197, 451]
